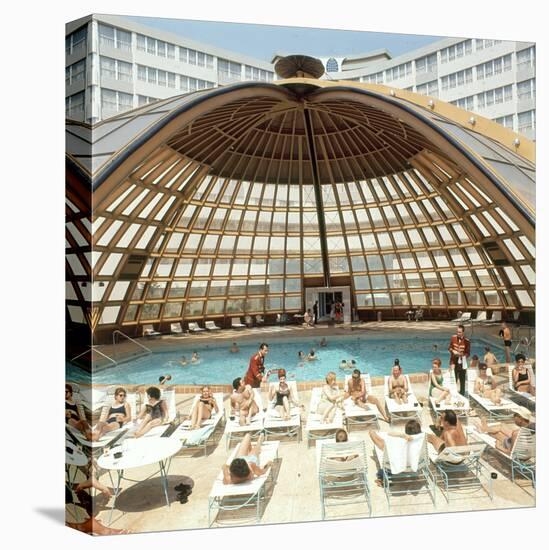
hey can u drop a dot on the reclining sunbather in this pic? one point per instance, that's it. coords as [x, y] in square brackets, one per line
[283, 395]
[153, 414]
[74, 415]
[505, 435]
[452, 434]
[245, 466]
[485, 385]
[436, 383]
[398, 385]
[522, 380]
[243, 401]
[331, 399]
[204, 407]
[114, 417]
[356, 390]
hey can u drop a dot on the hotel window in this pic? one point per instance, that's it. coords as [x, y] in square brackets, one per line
[429, 88]
[482, 44]
[74, 106]
[491, 97]
[457, 79]
[155, 47]
[527, 121]
[75, 72]
[467, 103]
[76, 42]
[526, 89]
[401, 71]
[145, 100]
[332, 66]
[505, 121]
[229, 69]
[114, 37]
[156, 76]
[456, 51]
[494, 66]
[427, 64]
[201, 59]
[115, 69]
[526, 58]
[253, 73]
[113, 102]
[192, 84]
[376, 78]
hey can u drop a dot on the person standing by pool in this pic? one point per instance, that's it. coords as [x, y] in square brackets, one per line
[460, 349]
[315, 312]
[256, 369]
[505, 335]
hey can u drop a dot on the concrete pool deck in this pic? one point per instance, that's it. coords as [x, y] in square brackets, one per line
[294, 496]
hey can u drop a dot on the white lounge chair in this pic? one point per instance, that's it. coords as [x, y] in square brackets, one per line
[193, 327]
[465, 318]
[237, 323]
[211, 326]
[460, 468]
[167, 395]
[110, 437]
[522, 395]
[315, 428]
[275, 425]
[405, 411]
[496, 318]
[458, 403]
[405, 463]
[233, 429]
[502, 411]
[359, 415]
[176, 329]
[248, 494]
[522, 455]
[149, 332]
[480, 318]
[248, 321]
[201, 437]
[343, 474]
[259, 320]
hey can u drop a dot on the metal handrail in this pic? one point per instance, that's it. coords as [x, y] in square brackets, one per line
[92, 348]
[129, 338]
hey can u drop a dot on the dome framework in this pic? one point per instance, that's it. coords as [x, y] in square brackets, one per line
[234, 201]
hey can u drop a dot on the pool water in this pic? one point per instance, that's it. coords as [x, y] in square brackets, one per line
[373, 353]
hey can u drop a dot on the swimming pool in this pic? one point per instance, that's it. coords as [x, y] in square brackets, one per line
[373, 353]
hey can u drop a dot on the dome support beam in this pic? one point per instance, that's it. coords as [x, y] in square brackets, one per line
[318, 196]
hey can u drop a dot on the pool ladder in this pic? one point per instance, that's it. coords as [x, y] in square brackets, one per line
[147, 351]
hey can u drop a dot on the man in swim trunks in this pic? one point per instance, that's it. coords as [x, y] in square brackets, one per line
[256, 369]
[245, 466]
[505, 335]
[243, 400]
[460, 349]
[504, 435]
[356, 390]
[452, 432]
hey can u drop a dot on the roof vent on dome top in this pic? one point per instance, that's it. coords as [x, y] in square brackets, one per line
[299, 66]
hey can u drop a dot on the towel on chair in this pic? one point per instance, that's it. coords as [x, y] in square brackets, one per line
[402, 454]
[196, 437]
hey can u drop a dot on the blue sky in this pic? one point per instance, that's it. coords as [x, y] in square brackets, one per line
[262, 41]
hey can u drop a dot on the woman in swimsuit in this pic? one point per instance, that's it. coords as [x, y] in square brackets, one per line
[153, 414]
[74, 415]
[398, 385]
[485, 386]
[436, 381]
[203, 408]
[281, 394]
[114, 417]
[522, 381]
[245, 465]
[330, 400]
